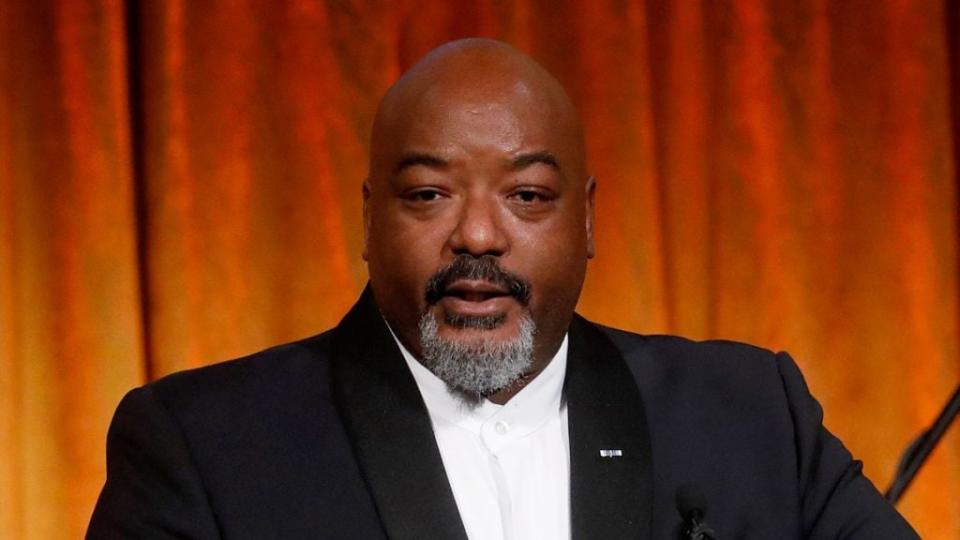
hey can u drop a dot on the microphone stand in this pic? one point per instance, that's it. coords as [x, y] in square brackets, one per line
[919, 450]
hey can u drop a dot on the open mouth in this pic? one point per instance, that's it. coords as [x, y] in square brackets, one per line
[474, 291]
[476, 298]
[470, 281]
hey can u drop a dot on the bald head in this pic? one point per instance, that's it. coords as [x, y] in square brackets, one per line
[477, 76]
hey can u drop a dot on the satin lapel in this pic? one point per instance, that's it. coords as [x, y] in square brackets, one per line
[390, 429]
[610, 466]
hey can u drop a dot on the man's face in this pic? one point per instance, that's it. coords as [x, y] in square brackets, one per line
[487, 178]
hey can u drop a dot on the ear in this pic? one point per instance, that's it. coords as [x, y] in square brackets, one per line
[366, 217]
[590, 197]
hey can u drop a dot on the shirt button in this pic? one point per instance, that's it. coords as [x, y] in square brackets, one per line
[501, 427]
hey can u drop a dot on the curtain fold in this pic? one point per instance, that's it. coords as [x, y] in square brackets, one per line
[180, 184]
[70, 319]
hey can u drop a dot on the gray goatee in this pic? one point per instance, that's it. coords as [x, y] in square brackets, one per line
[477, 367]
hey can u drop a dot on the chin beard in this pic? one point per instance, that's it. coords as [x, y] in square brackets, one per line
[477, 367]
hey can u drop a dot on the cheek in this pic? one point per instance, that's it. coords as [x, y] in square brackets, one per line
[555, 239]
[554, 258]
[404, 254]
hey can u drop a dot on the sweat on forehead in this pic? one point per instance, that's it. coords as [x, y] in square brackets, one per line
[478, 76]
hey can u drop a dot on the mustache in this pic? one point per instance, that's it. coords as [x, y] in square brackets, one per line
[483, 268]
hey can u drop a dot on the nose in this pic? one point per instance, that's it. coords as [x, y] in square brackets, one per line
[478, 231]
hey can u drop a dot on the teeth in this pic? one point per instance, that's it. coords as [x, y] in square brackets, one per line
[473, 296]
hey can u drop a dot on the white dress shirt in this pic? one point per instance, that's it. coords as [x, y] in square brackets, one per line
[509, 465]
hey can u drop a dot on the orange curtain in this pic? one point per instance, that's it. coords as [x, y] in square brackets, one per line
[180, 184]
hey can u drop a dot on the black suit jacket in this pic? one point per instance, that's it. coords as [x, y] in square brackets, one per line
[329, 438]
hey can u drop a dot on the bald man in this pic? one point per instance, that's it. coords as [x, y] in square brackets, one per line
[462, 397]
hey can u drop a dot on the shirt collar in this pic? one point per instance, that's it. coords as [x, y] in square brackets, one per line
[526, 411]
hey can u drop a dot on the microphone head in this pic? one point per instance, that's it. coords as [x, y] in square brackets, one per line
[690, 502]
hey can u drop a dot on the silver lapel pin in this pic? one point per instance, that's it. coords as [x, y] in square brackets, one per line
[611, 452]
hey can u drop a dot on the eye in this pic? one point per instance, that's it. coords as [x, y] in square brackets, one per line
[531, 197]
[528, 196]
[423, 195]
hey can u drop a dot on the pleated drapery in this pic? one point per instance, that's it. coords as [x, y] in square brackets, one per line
[180, 184]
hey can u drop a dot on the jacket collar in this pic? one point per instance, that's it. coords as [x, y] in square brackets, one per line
[393, 439]
[391, 432]
[611, 479]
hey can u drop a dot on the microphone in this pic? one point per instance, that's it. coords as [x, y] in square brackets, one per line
[693, 507]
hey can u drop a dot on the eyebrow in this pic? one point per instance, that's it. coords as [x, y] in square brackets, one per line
[525, 160]
[516, 164]
[419, 158]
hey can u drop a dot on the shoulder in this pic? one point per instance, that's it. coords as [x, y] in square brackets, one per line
[271, 378]
[674, 354]
[729, 379]
[631, 343]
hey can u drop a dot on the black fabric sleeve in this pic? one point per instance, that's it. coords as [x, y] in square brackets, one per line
[153, 489]
[837, 500]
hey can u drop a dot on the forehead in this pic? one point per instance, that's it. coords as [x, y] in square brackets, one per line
[476, 104]
[497, 118]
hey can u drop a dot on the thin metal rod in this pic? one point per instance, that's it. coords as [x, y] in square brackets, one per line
[919, 450]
